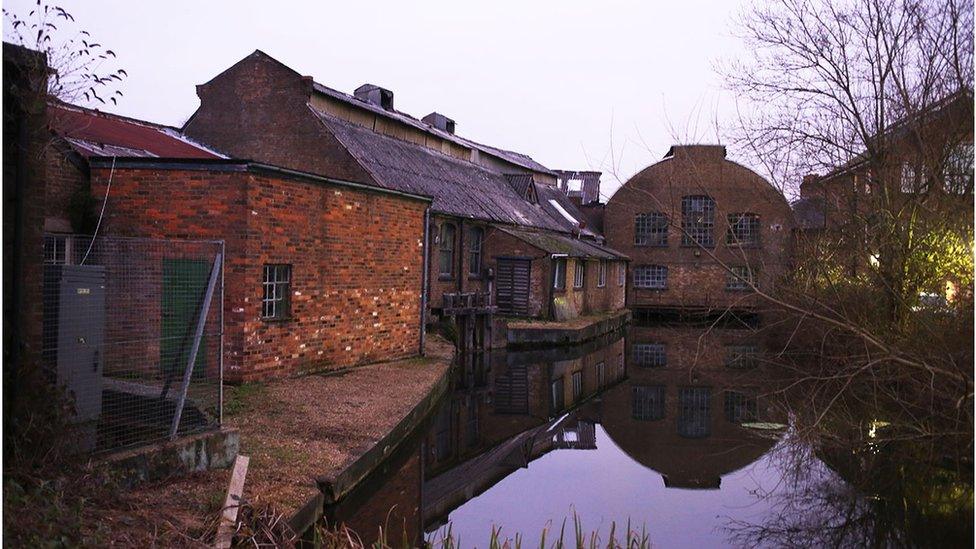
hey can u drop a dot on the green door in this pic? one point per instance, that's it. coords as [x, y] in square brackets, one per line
[184, 287]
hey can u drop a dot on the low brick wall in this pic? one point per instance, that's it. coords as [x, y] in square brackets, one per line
[211, 450]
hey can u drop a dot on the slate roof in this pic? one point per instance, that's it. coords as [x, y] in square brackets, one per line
[92, 133]
[809, 213]
[512, 157]
[459, 188]
[560, 244]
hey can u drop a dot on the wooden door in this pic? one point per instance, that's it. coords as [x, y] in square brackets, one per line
[512, 286]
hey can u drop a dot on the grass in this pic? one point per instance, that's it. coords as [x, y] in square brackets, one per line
[242, 398]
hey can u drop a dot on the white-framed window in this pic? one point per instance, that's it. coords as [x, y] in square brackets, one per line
[654, 277]
[446, 250]
[579, 274]
[577, 385]
[58, 249]
[276, 302]
[559, 274]
[740, 278]
[621, 273]
[602, 279]
[601, 374]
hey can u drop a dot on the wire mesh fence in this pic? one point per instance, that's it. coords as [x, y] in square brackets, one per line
[132, 330]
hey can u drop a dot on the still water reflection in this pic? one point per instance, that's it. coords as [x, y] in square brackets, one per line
[672, 428]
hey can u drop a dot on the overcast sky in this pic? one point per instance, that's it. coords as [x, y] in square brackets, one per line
[548, 79]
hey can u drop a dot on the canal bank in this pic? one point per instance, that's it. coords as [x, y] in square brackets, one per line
[549, 333]
[301, 434]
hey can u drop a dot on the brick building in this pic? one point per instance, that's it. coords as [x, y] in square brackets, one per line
[288, 305]
[499, 225]
[698, 229]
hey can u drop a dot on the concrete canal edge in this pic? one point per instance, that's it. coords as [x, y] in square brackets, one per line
[522, 334]
[334, 487]
[214, 449]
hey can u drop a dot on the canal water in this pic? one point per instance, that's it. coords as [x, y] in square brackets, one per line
[675, 431]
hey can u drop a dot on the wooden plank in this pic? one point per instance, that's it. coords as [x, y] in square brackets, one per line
[232, 503]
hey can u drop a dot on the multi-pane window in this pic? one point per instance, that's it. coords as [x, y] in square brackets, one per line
[740, 277]
[621, 273]
[446, 250]
[743, 229]
[577, 385]
[277, 290]
[650, 355]
[475, 237]
[697, 221]
[913, 178]
[741, 357]
[694, 412]
[602, 279]
[559, 274]
[651, 276]
[647, 403]
[579, 274]
[651, 229]
[740, 408]
[57, 249]
[557, 394]
[958, 170]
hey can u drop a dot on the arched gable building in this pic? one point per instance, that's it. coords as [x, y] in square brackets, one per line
[699, 229]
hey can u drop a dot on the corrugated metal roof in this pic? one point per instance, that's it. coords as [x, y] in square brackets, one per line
[559, 244]
[94, 133]
[459, 188]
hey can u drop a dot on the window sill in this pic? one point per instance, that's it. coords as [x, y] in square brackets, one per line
[278, 320]
[444, 278]
[742, 245]
[665, 245]
[706, 246]
[651, 289]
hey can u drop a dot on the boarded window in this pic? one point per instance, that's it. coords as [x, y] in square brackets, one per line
[650, 355]
[743, 229]
[647, 403]
[475, 238]
[651, 229]
[653, 277]
[697, 221]
[277, 289]
[446, 249]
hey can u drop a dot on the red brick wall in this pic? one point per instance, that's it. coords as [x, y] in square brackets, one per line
[63, 178]
[696, 279]
[356, 270]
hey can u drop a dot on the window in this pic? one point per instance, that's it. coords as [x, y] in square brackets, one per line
[579, 274]
[559, 274]
[647, 403]
[743, 229]
[446, 241]
[694, 412]
[958, 170]
[621, 273]
[913, 179]
[558, 401]
[475, 238]
[654, 277]
[741, 357]
[697, 221]
[57, 249]
[740, 278]
[577, 385]
[650, 355]
[739, 407]
[651, 229]
[601, 374]
[277, 289]
[602, 279]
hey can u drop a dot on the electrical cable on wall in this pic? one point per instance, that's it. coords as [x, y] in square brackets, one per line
[102, 213]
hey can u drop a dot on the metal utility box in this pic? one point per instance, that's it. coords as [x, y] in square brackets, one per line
[74, 332]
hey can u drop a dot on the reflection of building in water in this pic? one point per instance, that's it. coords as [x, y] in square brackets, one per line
[485, 432]
[688, 392]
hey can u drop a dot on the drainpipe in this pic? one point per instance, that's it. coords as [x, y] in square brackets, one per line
[424, 282]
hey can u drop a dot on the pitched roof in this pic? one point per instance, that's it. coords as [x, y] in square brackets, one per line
[511, 157]
[459, 188]
[560, 244]
[93, 133]
[809, 213]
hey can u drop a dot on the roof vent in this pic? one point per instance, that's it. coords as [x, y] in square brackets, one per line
[371, 93]
[440, 122]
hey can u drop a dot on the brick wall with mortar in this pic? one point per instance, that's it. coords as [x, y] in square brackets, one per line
[696, 278]
[361, 309]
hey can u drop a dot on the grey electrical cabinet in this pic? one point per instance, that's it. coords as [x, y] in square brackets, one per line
[74, 333]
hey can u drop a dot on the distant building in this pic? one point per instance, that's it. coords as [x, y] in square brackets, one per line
[499, 225]
[700, 230]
